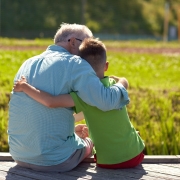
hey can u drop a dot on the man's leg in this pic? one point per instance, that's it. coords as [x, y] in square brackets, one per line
[69, 164]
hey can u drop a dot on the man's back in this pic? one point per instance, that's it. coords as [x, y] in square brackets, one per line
[37, 134]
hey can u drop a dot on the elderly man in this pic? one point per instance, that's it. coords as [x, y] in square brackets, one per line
[43, 138]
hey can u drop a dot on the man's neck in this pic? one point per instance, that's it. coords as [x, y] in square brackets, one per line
[64, 45]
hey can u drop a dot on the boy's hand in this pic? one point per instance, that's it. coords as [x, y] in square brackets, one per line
[115, 78]
[82, 130]
[18, 86]
[121, 80]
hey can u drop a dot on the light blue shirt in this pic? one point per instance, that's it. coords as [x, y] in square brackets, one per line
[45, 136]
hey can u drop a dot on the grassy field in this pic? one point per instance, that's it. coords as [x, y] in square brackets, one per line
[154, 89]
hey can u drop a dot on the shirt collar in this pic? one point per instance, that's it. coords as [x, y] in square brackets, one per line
[56, 48]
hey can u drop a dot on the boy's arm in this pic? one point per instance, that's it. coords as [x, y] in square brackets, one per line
[42, 97]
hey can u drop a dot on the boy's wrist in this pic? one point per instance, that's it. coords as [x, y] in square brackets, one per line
[23, 86]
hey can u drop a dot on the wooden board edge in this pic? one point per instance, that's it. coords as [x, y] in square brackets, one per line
[6, 156]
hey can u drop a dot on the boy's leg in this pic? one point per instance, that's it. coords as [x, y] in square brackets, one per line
[69, 164]
[127, 164]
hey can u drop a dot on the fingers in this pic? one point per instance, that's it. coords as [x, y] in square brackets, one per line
[83, 135]
[17, 87]
[23, 78]
[85, 132]
[82, 131]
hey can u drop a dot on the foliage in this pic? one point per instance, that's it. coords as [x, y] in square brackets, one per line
[102, 16]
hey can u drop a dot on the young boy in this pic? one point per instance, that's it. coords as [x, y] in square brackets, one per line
[117, 143]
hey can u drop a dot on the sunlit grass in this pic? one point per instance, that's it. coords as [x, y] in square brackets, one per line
[143, 44]
[149, 71]
[10, 61]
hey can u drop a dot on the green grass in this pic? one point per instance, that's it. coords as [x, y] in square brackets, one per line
[135, 43]
[10, 61]
[148, 71]
[143, 44]
[154, 90]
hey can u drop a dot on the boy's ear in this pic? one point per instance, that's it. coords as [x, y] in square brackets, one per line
[106, 66]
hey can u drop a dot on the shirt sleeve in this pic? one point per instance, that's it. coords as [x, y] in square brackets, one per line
[89, 88]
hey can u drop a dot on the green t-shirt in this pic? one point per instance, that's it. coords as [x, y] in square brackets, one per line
[112, 133]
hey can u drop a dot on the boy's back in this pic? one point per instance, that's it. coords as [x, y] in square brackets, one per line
[112, 133]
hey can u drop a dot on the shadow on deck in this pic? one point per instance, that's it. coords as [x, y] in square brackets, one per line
[153, 167]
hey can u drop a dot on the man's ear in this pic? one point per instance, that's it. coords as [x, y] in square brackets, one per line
[106, 66]
[72, 42]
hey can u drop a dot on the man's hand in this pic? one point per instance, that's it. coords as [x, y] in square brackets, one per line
[121, 80]
[18, 86]
[82, 130]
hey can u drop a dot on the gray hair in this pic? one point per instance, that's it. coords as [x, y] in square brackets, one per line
[66, 31]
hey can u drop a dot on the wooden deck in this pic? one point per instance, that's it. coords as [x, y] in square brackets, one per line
[153, 167]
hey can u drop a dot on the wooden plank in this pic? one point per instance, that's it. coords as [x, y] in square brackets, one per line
[20, 171]
[150, 159]
[161, 159]
[157, 172]
[169, 168]
[86, 171]
[5, 156]
[178, 156]
[166, 170]
[175, 165]
[101, 174]
[12, 176]
[98, 175]
[136, 173]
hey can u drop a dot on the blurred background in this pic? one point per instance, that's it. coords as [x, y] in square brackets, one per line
[143, 44]
[114, 20]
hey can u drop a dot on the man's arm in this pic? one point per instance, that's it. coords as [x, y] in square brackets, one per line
[42, 97]
[87, 85]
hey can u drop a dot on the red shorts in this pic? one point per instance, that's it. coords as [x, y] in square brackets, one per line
[127, 164]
